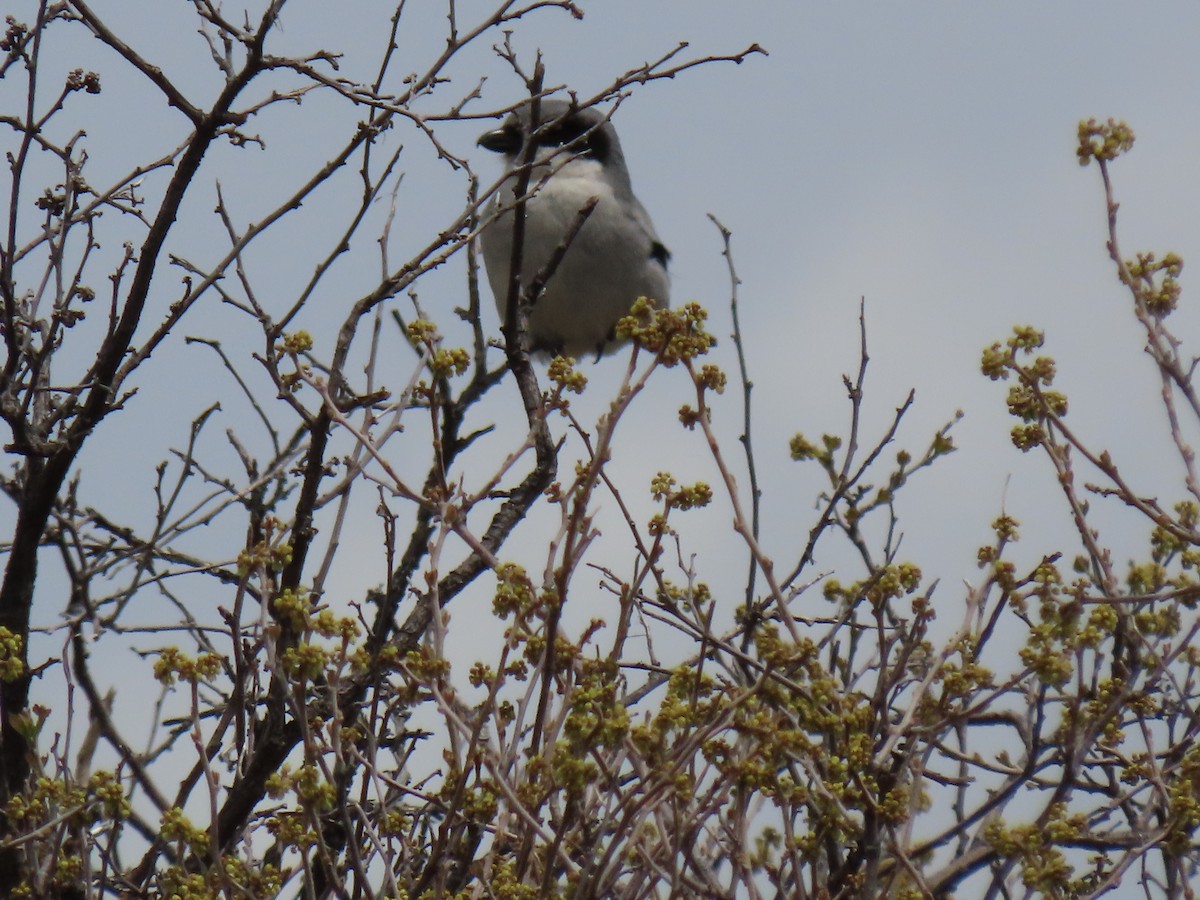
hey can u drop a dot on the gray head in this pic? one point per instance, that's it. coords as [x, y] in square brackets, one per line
[560, 123]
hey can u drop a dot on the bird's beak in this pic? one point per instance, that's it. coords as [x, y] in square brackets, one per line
[502, 140]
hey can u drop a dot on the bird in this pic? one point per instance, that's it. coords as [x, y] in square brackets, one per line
[613, 259]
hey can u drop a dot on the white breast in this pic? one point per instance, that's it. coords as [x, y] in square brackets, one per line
[605, 269]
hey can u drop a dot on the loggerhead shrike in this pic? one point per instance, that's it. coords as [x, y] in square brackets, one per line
[613, 259]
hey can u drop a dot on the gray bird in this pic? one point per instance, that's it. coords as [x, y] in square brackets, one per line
[615, 258]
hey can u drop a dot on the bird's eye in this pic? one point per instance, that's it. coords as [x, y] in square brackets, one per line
[563, 133]
[586, 140]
